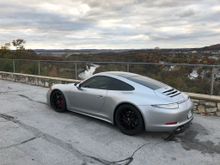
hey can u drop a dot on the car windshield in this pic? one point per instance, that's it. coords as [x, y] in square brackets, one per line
[147, 82]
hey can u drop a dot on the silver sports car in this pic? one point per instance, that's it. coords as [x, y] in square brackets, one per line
[130, 101]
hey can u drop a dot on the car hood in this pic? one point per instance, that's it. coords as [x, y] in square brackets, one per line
[171, 94]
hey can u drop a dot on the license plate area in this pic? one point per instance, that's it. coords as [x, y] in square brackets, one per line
[189, 115]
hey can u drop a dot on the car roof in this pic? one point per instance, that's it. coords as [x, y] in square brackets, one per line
[119, 73]
[136, 78]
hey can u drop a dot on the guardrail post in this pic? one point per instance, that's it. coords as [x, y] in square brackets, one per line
[13, 65]
[128, 67]
[212, 81]
[38, 66]
[76, 71]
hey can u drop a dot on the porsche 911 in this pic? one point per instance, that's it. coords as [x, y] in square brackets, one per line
[132, 102]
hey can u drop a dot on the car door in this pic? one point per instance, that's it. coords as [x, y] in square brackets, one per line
[90, 95]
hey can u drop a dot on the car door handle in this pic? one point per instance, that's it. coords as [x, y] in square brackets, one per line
[100, 96]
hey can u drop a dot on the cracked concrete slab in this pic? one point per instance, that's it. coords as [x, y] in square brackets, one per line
[32, 133]
[48, 153]
[12, 134]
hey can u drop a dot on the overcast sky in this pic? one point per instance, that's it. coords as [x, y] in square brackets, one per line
[110, 24]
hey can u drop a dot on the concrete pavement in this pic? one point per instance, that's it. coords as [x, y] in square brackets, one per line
[32, 133]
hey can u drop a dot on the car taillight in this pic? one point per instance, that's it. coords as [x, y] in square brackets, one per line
[171, 123]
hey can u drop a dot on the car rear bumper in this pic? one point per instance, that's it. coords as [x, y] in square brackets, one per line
[183, 127]
[179, 127]
[168, 120]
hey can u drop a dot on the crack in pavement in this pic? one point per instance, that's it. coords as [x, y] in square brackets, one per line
[129, 159]
[6, 117]
[67, 146]
[37, 133]
[28, 140]
[30, 99]
[17, 144]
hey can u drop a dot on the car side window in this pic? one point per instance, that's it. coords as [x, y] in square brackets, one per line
[104, 82]
[97, 82]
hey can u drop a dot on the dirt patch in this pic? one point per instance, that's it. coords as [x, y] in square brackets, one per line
[188, 140]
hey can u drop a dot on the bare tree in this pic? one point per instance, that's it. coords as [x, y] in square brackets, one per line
[18, 43]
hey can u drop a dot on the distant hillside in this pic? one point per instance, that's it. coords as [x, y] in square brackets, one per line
[69, 52]
[212, 47]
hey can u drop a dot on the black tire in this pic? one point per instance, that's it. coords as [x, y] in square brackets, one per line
[58, 101]
[129, 119]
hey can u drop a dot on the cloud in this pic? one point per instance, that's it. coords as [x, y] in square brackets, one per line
[187, 13]
[110, 24]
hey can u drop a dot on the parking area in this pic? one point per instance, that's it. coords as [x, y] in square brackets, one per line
[32, 133]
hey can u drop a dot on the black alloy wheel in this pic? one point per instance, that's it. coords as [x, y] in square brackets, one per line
[129, 120]
[58, 101]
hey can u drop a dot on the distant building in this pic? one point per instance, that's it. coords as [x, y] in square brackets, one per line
[213, 57]
[194, 52]
[217, 73]
[193, 75]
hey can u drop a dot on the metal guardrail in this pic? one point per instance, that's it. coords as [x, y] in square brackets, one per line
[116, 62]
[71, 69]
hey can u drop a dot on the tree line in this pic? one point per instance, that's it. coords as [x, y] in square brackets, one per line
[15, 49]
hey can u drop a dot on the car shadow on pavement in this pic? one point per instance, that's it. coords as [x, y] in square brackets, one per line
[187, 139]
[143, 135]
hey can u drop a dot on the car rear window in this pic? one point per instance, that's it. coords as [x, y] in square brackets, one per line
[147, 82]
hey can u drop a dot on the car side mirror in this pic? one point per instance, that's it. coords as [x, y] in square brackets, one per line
[78, 86]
